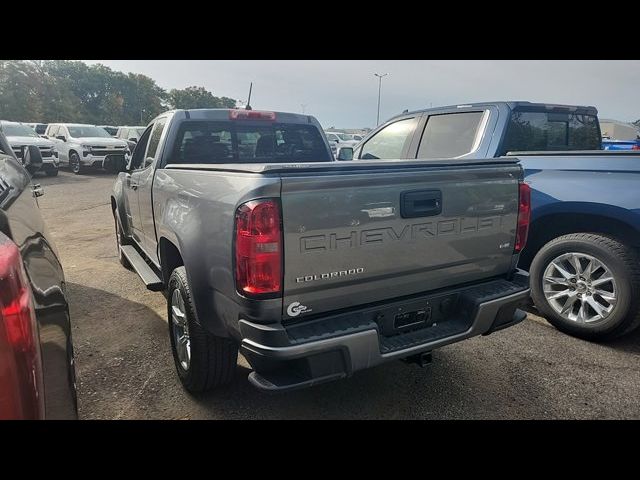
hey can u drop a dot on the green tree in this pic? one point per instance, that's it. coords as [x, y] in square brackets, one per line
[198, 97]
[19, 91]
[72, 91]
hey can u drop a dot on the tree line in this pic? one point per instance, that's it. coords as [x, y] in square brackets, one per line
[47, 91]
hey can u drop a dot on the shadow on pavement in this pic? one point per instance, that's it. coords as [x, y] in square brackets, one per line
[66, 176]
[126, 371]
[629, 343]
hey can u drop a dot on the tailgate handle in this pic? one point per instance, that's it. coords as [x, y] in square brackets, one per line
[420, 203]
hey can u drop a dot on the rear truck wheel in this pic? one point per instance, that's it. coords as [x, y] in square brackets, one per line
[587, 285]
[121, 240]
[51, 171]
[203, 361]
[74, 163]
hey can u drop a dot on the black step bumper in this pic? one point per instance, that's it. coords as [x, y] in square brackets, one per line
[286, 357]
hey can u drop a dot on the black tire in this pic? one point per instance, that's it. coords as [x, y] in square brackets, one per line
[624, 265]
[51, 171]
[74, 163]
[121, 240]
[213, 359]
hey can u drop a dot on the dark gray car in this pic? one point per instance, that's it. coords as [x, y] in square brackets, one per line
[37, 376]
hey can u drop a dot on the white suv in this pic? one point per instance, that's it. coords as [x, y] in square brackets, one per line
[20, 136]
[81, 146]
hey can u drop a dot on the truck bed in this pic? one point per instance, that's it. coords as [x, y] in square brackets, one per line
[359, 165]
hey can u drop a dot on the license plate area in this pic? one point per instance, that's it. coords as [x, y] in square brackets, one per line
[416, 314]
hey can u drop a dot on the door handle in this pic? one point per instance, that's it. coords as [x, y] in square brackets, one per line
[420, 203]
[130, 183]
[38, 191]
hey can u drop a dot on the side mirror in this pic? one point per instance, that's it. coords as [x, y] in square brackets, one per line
[134, 140]
[345, 154]
[62, 137]
[32, 159]
[129, 163]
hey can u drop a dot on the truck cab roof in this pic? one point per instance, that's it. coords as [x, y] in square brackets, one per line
[224, 114]
[512, 105]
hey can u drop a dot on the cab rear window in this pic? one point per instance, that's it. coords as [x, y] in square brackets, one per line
[548, 131]
[213, 142]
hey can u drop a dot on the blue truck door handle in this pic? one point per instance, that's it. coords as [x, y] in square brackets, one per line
[420, 203]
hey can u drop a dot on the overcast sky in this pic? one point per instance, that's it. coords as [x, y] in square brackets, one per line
[344, 93]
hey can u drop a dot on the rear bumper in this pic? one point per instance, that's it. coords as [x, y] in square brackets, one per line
[325, 349]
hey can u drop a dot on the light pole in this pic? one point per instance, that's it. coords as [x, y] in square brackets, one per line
[379, 89]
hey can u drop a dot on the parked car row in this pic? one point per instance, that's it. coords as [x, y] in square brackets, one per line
[73, 145]
[84, 146]
[20, 137]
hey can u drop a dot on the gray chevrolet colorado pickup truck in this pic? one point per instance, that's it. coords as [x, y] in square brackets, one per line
[313, 268]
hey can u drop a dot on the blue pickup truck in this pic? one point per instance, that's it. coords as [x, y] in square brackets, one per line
[583, 249]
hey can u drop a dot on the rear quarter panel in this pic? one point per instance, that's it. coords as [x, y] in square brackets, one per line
[195, 211]
[600, 185]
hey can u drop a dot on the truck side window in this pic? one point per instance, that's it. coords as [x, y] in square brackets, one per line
[544, 131]
[389, 142]
[451, 135]
[137, 158]
[154, 141]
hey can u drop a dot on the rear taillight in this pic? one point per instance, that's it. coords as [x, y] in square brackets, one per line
[21, 393]
[258, 246]
[251, 115]
[524, 216]
[635, 147]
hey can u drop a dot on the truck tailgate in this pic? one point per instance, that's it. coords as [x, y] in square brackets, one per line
[364, 235]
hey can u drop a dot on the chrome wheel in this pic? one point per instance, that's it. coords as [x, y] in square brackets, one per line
[74, 162]
[579, 287]
[180, 329]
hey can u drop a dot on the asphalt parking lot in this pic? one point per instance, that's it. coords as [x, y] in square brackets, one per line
[125, 369]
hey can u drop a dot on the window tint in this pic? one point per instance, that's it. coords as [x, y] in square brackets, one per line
[137, 158]
[543, 131]
[154, 140]
[224, 142]
[450, 135]
[203, 142]
[389, 142]
[87, 131]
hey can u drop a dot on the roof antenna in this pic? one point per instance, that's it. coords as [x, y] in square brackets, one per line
[248, 107]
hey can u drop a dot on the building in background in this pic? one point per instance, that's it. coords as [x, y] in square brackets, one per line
[618, 130]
